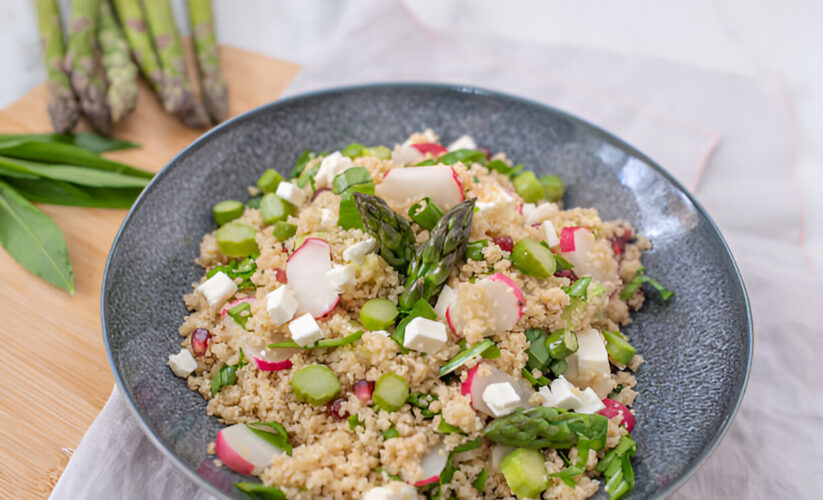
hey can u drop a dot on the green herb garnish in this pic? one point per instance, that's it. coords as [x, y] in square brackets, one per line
[243, 269]
[425, 213]
[465, 356]
[227, 375]
[273, 433]
[501, 167]
[320, 344]
[617, 469]
[240, 313]
[474, 250]
[422, 309]
[566, 475]
[480, 481]
[579, 289]
[422, 402]
[390, 433]
[355, 422]
[257, 491]
[640, 278]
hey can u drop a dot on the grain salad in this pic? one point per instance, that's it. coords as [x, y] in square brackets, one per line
[416, 322]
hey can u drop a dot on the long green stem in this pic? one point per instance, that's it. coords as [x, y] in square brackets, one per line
[212, 84]
[62, 105]
[86, 73]
[121, 72]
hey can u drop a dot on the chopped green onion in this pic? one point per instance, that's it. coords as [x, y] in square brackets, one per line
[618, 348]
[447, 428]
[273, 433]
[425, 213]
[538, 353]
[579, 289]
[480, 481]
[301, 163]
[464, 156]
[525, 472]
[390, 433]
[275, 209]
[320, 344]
[308, 175]
[227, 375]
[528, 187]
[353, 150]
[492, 352]
[532, 258]
[315, 384]
[378, 314]
[390, 392]
[283, 230]
[566, 475]
[537, 382]
[257, 491]
[474, 250]
[640, 278]
[561, 263]
[617, 468]
[240, 313]
[237, 269]
[355, 422]
[227, 211]
[254, 201]
[349, 217]
[350, 177]
[421, 308]
[501, 167]
[422, 402]
[465, 356]
[269, 181]
[237, 240]
[561, 343]
[559, 367]
[553, 187]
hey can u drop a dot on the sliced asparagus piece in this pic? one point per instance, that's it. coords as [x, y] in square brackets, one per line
[121, 72]
[62, 105]
[178, 96]
[86, 74]
[134, 25]
[212, 85]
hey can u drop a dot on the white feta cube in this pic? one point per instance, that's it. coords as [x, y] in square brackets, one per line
[591, 353]
[394, 490]
[425, 335]
[548, 397]
[341, 277]
[330, 167]
[551, 234]
[327, 218]
[501, 398]
[444, 300]
[406, 155]
[539, 213]
[281, 304]
[218, 289]
[291, 193]
[589, 402]
[182, 363]
[356, 252]
[305, 330]
[463, 142]
[565, 394]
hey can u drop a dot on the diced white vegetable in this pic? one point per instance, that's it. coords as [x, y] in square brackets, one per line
[327, 219]
[330, 166]
[406, 155]
[446, 297]
[218, 289]
[565, 394]
[341, 277]
[501, 398]
[589, 402]
[182, 363]
[433, 463]
[291, 193]
[551, 234]
[306, 275]
[394, 490]
[591, 353]
[356, 252]
[305, 330]
[281, 304]
[538, 213]
[425, 335]
[463, 142]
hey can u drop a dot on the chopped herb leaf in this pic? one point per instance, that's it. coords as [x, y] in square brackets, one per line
[562, 264]
[566, 475]
[240, 313]
[257, 491]
[501, 167]
[227, 375]
[349, 178]
[465, 356]
[640, 278]
[579, 289]
[355, 422]
[480, 481]
[273, 433]
[447, 428]
[243, 269]
[474, 250]
[422, 401]
[421, 308]
[538, 353]
[394, 477]
[390, 433]
[321, 344]
[425, 213]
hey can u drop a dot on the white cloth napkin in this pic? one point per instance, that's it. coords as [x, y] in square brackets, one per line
[725, 137]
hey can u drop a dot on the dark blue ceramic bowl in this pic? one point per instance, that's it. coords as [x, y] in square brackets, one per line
[698, 347]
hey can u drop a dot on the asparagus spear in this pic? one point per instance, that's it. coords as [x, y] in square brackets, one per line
[212, 85]
[390, 229]
[544, 427]
[435, 259]
[84, 67]
[62, 105]
[121, 72]
[178, 95]
[134, 25]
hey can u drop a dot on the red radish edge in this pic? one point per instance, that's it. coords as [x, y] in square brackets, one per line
[518, 293]
[272, 366]
[304, 244]
[614, 408]
[330, 309]
[228, 456]
[567, 239]
[430, 480]
[466, 387]
[234, 303]
[459, 185]
[280, 275]
[449, 321]
[430, 147]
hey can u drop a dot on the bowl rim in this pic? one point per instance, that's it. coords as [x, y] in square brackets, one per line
[192, 474]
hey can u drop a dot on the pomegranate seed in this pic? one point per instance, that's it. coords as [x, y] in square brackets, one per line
[280, 275]
[487, 152]
[566, 273]
[504, 242]
[335, 408]
[200, 341]
[618, 246]
[363, 390]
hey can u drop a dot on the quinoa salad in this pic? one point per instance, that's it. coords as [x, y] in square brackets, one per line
[423, 321]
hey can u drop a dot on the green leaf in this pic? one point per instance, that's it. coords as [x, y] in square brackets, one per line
[243, 269]
[447, 428]
[236, 313]
[501, 167]
[640, 278]
[538, 354]
[579, 289]
[464, 356]
[256, 491]
[562, 264]
[566, 475]
[390, 433]
[474, 250]
[464, 156]
[68, 154]
[227, 374]
[33, 239]
[86, 140]
[355, 422]
[321, 344]
[273, 433]
[71, 173]
[354, 150]
[394, 477]
[349, 178]
[64, 193]
[480, 480]
[422, 401]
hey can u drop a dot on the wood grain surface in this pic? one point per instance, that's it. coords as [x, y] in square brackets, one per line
[55, 375]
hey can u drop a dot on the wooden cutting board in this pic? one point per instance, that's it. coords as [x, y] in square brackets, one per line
[54, 373]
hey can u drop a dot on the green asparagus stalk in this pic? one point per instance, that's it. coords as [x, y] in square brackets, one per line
[177, 93]
[134, 25]
[86, 75]
[212, 85]
[62, 105]
[435, 259]
[390, 229]
[545, 427]
[121, 72]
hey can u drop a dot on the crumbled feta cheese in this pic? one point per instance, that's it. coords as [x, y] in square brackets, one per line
[463, 142]
[356, 252]
[565, 394]
[291, 193]
[305, 330]
[444, 300]
[589, 402]
[182, 363]
[546, 393]
[501, 398]
[218, 289]
[330, 167]
[382, 333]
[406, 155]
[551, 235]
[425, 335]
[482, 205]
[394, 490]
[341, 277]
[539, 213]
[281, 304]
[591, 353]
[327, 218]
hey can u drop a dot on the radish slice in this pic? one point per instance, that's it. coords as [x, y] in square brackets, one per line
[614, 408]
[243, 451]
[306, 274]
[270, 360]
[401, 187]
[272, 366]
[433, 463]
[575, 244]
[502, 295]
[482, 376]
[568, 241]
[233, 303]
[430, 147]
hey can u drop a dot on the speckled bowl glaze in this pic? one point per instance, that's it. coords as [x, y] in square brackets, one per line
[697, 348]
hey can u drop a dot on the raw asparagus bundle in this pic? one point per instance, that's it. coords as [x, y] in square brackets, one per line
[212, 85]
[121, 72]
[62, 105]
[435, 259]
[390, 229]
[177, 94]
[134, 25]
[545, 427]
[85, 71]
